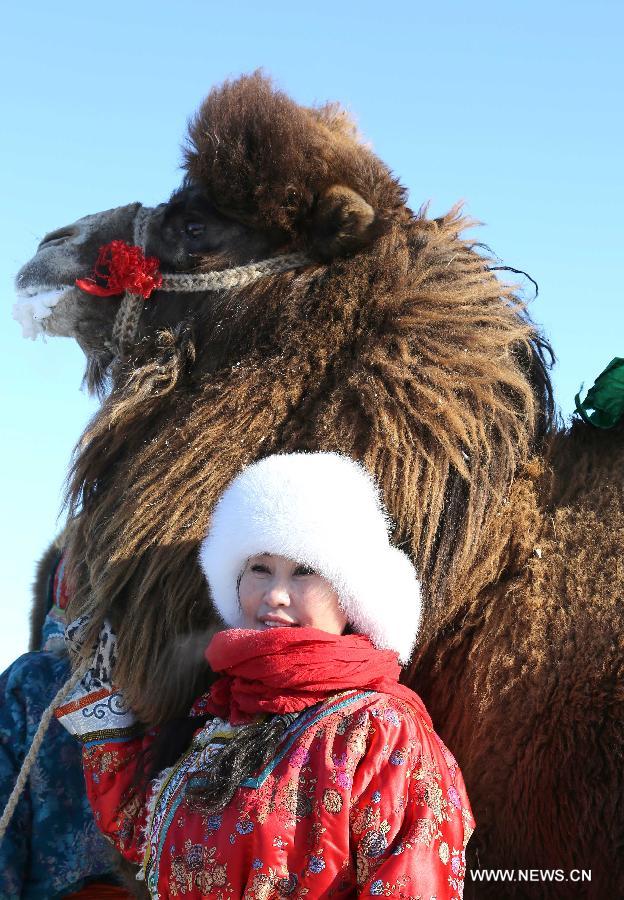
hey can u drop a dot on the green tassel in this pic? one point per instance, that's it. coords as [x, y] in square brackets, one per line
[606, 397]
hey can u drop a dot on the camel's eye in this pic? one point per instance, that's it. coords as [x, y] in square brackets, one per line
[195, 229]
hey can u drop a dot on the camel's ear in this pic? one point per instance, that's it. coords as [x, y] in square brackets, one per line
[343, 222]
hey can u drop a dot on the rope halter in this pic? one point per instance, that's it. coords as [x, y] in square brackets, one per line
[138, 277]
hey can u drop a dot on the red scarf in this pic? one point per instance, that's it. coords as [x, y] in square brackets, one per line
[284, 670]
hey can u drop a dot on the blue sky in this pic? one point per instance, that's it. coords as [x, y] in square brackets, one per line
[513, 107]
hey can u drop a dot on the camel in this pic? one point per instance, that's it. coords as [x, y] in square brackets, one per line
[370, 329]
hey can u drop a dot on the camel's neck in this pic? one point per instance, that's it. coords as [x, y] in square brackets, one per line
[508, 539]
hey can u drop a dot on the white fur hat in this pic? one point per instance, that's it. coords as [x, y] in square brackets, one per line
[323, 510]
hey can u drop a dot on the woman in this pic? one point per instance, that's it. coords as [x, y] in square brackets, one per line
[312, 771]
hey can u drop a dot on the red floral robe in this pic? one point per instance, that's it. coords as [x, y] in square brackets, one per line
[362, 799]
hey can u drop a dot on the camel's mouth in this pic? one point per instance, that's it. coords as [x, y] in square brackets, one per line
[34, 305]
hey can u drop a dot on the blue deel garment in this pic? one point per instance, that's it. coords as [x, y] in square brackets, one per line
[52, 846]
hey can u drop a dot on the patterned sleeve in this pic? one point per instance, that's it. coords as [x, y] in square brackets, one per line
[410, 815]
[119, 806]
[14, 846]
[112, 749]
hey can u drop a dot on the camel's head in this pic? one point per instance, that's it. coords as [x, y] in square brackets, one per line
[253, 191]
[186, 234]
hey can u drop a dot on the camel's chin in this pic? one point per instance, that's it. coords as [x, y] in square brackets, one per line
[39, 311]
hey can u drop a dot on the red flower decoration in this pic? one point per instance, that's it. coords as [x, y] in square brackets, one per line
[122, 268]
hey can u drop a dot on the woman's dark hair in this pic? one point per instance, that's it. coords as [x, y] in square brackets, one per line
[239, 757]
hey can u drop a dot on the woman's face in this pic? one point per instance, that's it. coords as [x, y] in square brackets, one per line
[275, 592]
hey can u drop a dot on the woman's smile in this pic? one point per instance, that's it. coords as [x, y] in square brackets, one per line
[272, 621]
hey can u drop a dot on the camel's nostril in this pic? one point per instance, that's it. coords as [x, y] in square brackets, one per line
[59, 236]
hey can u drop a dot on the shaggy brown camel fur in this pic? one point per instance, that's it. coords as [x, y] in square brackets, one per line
[397, 344]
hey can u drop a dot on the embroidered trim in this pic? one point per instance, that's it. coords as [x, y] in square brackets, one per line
[150, 807]
[75, 705]
[107, 709]
[166, 789]
[111, 736]
[214, 730]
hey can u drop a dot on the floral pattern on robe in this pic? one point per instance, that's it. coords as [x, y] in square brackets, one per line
[362, 798]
